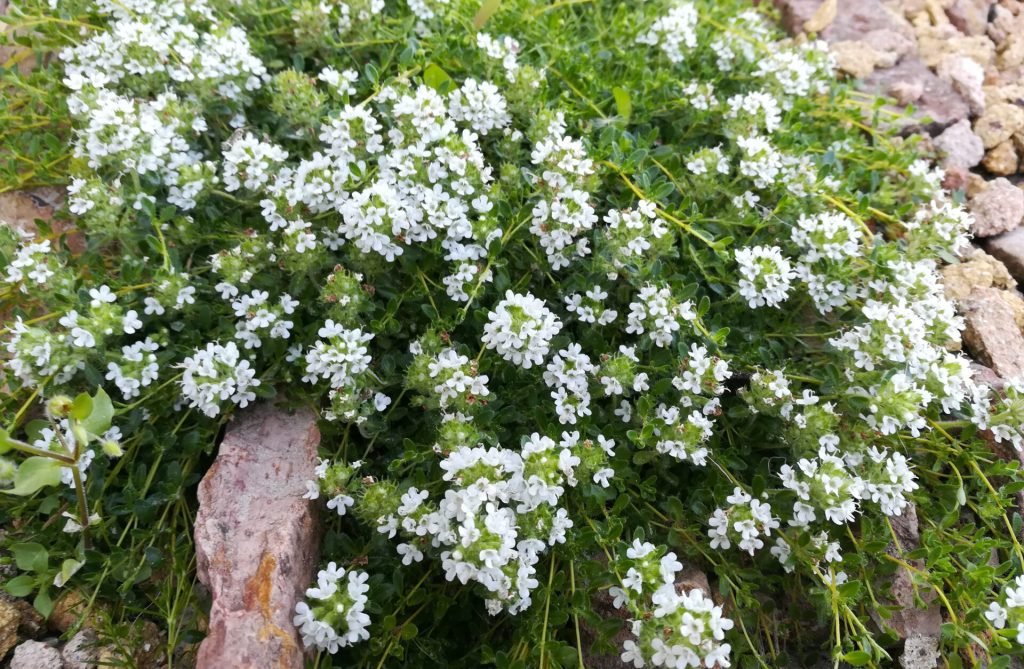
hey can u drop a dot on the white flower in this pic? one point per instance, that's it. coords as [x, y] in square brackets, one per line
[520, 329]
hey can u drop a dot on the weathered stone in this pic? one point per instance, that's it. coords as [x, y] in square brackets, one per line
[970, 16]
[67, 610]
[979, 270]
[937, 102]
[907, 92]
[10, 620]
[856, 58]
[256, 538]
[1000, 207]
[1003, 24]
[955, 178]
[795, 13]
[999, 123]
[1011, 93]
[35, 655]
[992, 335]
[857, 18]
[1002, 159]
[1008, 248]
[920, 628]
[21, 208]
[1012, 53]
[959, 146]
[1016, 304]
[967, 78]
[81, 651]
[920, 652]
[936, 42]
[976, 185]
[982, 375]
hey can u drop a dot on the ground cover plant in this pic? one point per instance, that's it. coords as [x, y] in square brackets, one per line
[587, 292]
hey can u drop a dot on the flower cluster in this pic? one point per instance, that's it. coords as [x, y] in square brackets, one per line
[745, 522]
[337, 617]
[670, 628]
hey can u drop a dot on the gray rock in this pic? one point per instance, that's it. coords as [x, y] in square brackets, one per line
[257, 538]
[959, 146]
[1009, 249]
[967, 79]
[998, 208]
[35, 655]
[992, 335]
[920, 652]
[81, 651]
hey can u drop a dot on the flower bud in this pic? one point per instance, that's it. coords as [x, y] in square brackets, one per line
[111, 448]
[59, 406]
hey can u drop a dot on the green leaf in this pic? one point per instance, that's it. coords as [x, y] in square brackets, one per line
[857, 658]
[35, 473]
[437, 79]
[486, 11]
[81, 407]
[67, 570]
[43, 603]
[102, 413]
[19, 586]
[623, 103]
[29, 556]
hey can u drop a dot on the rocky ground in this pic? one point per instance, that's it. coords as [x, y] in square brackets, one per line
[959, 63]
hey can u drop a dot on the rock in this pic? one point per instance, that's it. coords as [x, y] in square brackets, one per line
[966, 77]
[256, 538]
[10, 620]
[1002, 159]
[1012, 53]
[959, 146]
[998, 208]
[1008, 248]
[21, 208]
[970, 16]
[936, 42]
[909, 621]
[937, 101]
[855, 58]
[907, 92]
[920, 652]
[992, 335]
[982, 375]
[955, 178]
[67, 610]
[979, 270]
[1012, 93]
[35, 655]
[1015, 302]
[999, 123]
[858, 18]
[81, 651]
[976, 185]
[1003, 24]
[795, 13]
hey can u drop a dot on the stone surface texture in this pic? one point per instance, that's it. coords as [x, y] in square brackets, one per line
[36, 655]
[992, 335]
[257, 539]
[998, 208]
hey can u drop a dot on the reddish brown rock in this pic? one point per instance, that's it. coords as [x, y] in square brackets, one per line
[937, 102]
[992, 335]
[257, 539]
[970, 16]
[998, 208]
[1009, 249]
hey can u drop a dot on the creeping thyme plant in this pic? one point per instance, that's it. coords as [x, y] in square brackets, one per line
[588, 294]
